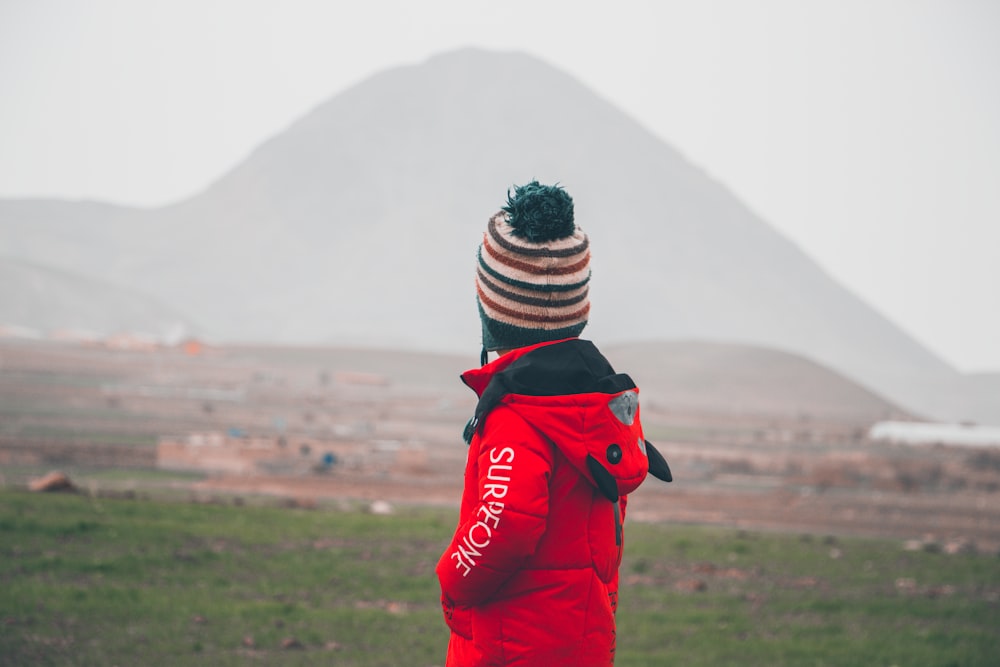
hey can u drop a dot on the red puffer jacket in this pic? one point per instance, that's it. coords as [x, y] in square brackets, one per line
[531, 575]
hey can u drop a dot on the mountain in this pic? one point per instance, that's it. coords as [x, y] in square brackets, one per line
[679, 376]
[359, 223]
[715, 378]
[53, 301]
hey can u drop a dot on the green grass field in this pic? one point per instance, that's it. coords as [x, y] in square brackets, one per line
[94, 581]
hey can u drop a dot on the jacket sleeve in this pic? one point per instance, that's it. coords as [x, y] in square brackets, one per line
[504, 527]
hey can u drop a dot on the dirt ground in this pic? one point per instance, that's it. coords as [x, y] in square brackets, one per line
[964, 520]
[774, 470]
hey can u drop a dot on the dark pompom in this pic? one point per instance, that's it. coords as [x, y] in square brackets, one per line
[540, 212]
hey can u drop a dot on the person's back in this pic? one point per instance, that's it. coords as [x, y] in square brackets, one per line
[531, 574]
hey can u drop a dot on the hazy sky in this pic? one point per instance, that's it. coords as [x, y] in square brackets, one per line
[866, 131]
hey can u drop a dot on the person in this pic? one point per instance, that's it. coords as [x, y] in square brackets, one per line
[555, 445]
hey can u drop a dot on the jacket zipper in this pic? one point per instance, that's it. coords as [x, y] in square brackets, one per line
[618, 530]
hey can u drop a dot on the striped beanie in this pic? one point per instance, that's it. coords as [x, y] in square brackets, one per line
[534, 269]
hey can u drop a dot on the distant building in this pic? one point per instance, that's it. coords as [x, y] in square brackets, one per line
[925, 433]
[134, 342]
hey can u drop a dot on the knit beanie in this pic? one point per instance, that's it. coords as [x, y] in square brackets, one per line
[534, 269]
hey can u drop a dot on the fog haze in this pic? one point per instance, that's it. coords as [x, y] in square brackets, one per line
[866, 132]
[358, 225]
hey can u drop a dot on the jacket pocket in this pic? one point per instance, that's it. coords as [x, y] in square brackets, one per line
[458, 618]
[605, 553]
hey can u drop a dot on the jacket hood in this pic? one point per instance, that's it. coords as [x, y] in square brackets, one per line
[569, 392]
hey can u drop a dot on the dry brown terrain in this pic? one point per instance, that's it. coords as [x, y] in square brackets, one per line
[311, 425]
